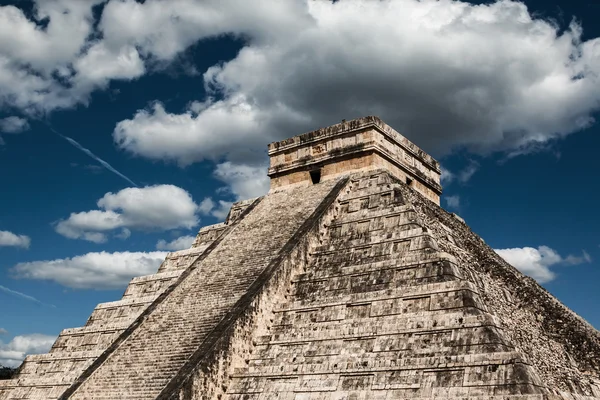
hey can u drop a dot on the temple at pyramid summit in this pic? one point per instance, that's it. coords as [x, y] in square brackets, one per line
[346, 281]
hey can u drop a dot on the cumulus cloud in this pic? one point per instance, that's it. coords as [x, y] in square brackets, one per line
[193, 136]
[100, 64]
[61, 65]
[487, 77]
[12, 239]
[537, 263]
[36, 63]
[92, 270]
[244, 181]
[206, 206]
[218, 209]
[13, 353]
[13, 125]
[181, 243]
[159, 207]
[3, 331]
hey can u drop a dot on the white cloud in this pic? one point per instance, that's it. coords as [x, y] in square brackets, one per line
[92, 270]
[11, 239]
[576, 260]
[245, 181]
[181, 243]
[13, 353]
[219, 209]
[190, 137]
[33, 61]
[448, 74]
[99, 65]
[453, 202]
[494, 77]
[206, 206]
[3, 331]
[69, 23]
[61, 65]
[537, 262]
[163, 29]
[159, 207]
[465, 175]
[83, 224]
[13, 125]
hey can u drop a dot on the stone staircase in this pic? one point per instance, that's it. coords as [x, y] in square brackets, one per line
[47, 376]
[381, 313]
[168, 338]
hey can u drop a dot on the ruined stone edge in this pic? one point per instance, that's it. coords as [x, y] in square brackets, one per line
[139, 320]
[244, 302]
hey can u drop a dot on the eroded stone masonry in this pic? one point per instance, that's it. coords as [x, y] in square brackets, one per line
[346, 281]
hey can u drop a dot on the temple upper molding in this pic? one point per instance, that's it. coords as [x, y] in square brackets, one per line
[358, 145]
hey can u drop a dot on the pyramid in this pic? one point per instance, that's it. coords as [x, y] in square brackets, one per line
[346, 281]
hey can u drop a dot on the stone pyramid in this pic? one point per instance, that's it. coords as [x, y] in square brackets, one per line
[346, 281]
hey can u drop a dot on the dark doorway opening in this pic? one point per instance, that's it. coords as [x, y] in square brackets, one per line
[315, 176]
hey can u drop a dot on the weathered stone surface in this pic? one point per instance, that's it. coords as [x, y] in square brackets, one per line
[362, 144]
[47, 376]
[189, 316]
[357, 287]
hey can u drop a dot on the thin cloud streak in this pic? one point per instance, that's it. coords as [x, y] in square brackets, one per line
[23, 296]
[95, 157]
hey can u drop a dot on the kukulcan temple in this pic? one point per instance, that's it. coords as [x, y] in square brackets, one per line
[347, 281]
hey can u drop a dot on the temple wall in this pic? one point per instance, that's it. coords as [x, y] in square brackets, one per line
[360, 163]
[359, 145]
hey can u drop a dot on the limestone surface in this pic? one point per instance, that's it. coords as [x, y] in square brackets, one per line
[354, 286]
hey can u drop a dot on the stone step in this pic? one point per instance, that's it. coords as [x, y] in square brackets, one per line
[411, 235]
[386, 325]
[384, 364]
[151, 285]
[123, 311]
[368, 215]
[182, 259]
[427, 340]
[349, 298]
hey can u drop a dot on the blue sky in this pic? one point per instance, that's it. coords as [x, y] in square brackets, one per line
[124, 127]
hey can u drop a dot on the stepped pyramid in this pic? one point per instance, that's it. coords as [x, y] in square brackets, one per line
[346, 281]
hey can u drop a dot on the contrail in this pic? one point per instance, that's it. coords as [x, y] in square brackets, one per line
[23, 296]
[95, 157]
